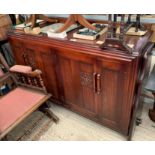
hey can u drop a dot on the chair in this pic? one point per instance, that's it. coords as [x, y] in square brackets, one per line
[22, 92]
[150, 86]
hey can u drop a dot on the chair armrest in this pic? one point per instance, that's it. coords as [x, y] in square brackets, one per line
[35, 73]
[26, 77]
[27, 70]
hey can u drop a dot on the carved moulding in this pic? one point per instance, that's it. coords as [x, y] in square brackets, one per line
[86, 79]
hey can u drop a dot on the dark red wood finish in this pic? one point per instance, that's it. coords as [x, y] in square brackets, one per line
[99, 84]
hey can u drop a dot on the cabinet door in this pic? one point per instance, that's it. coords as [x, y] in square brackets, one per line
[17, 48]
[30, 52]
[43, 58]
[77, 82]
[113, 82]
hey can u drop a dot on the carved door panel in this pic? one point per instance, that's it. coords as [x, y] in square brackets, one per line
[77, 82]
[29, 55]
[113, 81]
[43, 58]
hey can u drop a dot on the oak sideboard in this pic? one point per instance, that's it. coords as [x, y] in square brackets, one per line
[102, 85]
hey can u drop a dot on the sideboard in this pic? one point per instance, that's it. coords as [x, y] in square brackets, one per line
[102, 85]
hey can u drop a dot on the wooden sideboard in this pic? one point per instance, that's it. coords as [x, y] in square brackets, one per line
[102, 85]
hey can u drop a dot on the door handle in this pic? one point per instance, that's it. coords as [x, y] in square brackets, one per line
[98, 83]
[94, 82]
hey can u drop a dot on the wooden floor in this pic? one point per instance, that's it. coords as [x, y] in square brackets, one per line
[75, 127]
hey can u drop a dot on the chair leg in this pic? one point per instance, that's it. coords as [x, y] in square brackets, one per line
[4, 138]
[51, 115]
[45, 109]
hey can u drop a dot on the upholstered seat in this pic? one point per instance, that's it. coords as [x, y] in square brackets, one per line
[16, 104]
[27, 93]
[21, 69]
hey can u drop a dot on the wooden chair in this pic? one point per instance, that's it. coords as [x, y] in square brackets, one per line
[150, 86]
[22, 92]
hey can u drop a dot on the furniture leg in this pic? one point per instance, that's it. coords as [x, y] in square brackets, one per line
[45, 109]
[129, 19]
[74, 19]
[67, 24]
[138, 121]
[114, 25]
[4, 138]
[152, 111]
[34, 18]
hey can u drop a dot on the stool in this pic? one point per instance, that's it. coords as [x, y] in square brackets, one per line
[150, 86]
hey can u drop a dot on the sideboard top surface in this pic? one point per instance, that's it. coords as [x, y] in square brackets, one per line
[138, 42]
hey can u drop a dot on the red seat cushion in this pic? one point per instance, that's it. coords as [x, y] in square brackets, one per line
[15, 104]
[21, 69]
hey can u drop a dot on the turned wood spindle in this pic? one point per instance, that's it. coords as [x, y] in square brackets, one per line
[129, 19]
[109, 34]
[32, 82]
[122, 25]
[35, 82]
[41, 82]
[115, 25]
[29, 80]
[24, 79]
[137, 22]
